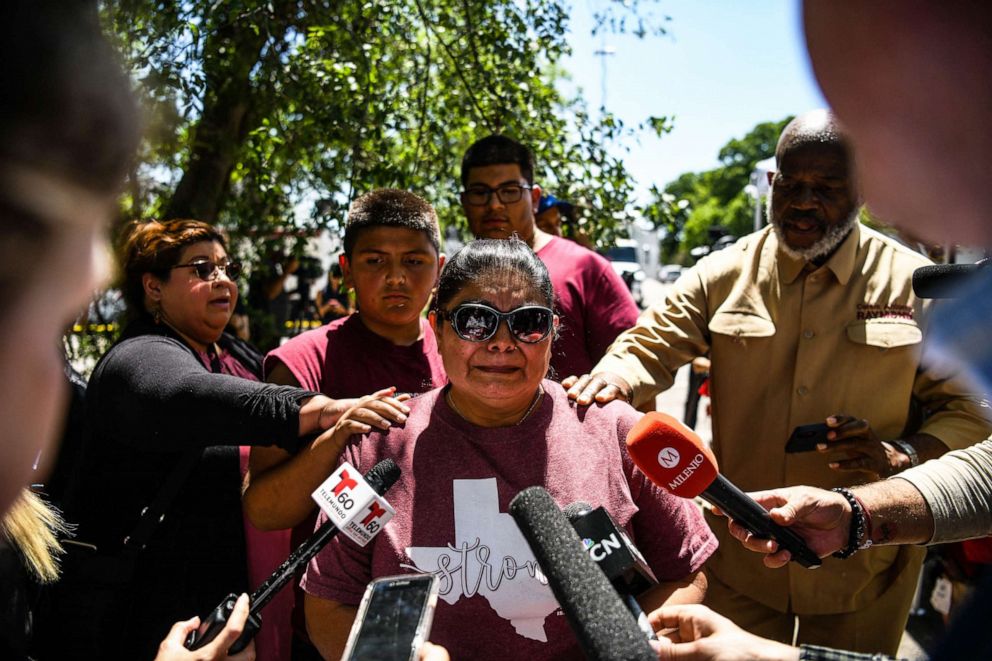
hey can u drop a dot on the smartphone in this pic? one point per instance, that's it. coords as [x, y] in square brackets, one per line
[806, 437]
[394, 618]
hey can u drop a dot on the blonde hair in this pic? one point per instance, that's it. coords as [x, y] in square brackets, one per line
[34, 527]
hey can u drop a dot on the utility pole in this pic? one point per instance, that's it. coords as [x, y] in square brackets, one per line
[603, 53]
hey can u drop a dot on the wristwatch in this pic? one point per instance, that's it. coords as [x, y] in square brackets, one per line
[909, 451]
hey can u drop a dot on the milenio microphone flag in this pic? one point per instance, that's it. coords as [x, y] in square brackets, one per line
[674, 457]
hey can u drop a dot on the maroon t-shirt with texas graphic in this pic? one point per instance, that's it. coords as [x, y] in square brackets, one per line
[451, 519]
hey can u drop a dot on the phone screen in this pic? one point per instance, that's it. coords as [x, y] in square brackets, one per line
[391, 620]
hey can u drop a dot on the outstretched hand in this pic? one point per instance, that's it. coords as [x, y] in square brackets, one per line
[695, 633]
[431, 652]
[173, 648]
[865, 453]
[822, 518]
[380, 410]
[601, 387]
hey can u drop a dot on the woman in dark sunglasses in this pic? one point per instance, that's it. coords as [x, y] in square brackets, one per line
[167, 408]
[468, 448]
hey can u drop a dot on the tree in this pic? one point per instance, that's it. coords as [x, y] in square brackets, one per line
[257, 108]
[695, 202]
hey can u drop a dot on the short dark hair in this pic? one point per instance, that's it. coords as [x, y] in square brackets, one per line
[154, 246]
[498, 150]
[482, 258]
[389, 207]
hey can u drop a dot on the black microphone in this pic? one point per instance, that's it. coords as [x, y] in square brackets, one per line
[380, 477]
[674, 457]
[621, 561]
[943, 280]
[599, 619]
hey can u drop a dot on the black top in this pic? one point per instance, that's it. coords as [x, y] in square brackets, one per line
[150, 400]
[19, 593]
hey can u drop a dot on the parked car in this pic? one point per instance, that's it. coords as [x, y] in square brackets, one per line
[623, 257]
[670, 272]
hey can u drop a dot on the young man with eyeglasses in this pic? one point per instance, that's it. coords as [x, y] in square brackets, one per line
[499, 198]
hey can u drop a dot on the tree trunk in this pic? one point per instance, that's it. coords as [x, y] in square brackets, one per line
[233, 51]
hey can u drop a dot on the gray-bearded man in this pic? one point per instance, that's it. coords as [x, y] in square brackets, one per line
[811, 319]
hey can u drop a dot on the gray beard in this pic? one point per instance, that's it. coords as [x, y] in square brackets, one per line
[832, 237]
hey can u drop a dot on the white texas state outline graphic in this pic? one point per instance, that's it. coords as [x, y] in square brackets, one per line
[489, 556]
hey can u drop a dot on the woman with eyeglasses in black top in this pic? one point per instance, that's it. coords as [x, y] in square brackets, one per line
[166, 410]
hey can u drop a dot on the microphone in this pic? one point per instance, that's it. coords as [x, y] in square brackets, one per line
[380, 478]
[621, 561]
[943, 280]
[603, 626]
[674, 457]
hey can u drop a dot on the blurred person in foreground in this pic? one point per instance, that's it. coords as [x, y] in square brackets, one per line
[468, 448]
[912, 86]
[68, 132]
[810, 320]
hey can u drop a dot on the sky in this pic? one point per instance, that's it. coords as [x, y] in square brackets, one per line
[723, 67]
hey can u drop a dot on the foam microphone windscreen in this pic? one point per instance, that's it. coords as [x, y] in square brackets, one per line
[576, 509]
[665, 450]
[383, 475]
[942, 280]
[604, 627]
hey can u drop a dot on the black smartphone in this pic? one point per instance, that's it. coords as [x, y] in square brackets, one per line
[806, 437]
[214, 623]
[394, 618]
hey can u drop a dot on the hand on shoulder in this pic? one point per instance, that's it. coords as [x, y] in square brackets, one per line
[601, 387]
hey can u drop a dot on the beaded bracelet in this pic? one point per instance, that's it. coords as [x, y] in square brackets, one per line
[868, 529]
[859, 526]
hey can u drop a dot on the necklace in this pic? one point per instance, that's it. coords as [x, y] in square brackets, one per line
[530, 409]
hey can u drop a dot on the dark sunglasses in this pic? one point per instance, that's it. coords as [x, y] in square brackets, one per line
[207, 270]
[475, 322]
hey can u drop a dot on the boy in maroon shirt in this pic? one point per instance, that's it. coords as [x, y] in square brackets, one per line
[392, 259]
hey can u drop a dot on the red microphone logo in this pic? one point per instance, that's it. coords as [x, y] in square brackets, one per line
[347, 482]
[375, 511]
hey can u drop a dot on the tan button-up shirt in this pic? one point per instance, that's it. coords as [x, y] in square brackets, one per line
[791, 344]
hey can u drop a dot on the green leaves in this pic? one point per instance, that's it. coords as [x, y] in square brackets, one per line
[697, 201]
[257, 108]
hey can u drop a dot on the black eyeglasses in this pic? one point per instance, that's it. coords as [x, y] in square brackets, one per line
[478, 196]
[475, 322]
[207, 270]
